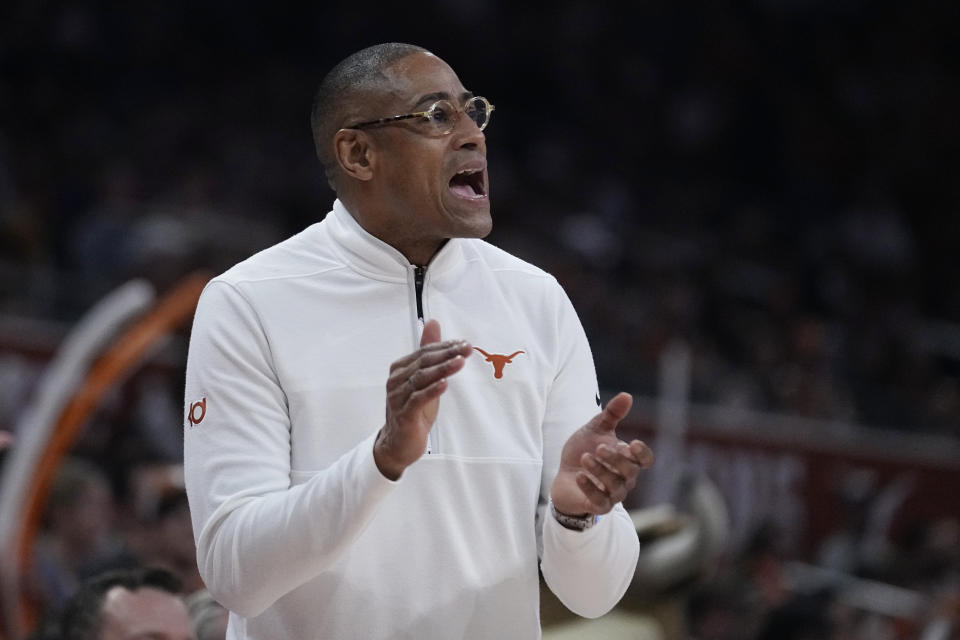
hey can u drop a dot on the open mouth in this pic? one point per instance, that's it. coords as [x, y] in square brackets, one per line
[469, 183]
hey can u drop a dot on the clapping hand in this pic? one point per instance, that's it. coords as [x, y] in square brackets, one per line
[598, 470]
[414, 388]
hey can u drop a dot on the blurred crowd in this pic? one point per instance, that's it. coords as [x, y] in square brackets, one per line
[769, 182]
[866, 585]
[95, 526]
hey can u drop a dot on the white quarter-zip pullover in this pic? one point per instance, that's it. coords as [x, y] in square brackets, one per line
[297, 531]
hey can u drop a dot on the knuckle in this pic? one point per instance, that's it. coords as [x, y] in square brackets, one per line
[400, 363]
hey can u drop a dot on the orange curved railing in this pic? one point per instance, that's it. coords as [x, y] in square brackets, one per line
[111, 368]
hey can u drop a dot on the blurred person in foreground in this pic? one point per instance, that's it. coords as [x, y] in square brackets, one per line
[134, 604]
[209, 617]
[333, 493]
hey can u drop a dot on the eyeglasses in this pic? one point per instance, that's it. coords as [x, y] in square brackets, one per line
[442, 116]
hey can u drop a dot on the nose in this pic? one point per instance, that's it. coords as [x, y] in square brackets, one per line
[468, 134]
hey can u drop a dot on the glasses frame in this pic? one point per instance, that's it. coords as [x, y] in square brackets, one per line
[428, 114]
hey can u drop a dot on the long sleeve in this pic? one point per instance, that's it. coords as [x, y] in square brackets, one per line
[258, 537]
[589, 571]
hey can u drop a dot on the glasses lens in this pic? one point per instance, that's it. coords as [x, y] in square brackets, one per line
[442, 115]
[477, 110]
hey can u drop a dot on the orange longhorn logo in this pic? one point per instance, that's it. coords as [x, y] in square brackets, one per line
[498, 361]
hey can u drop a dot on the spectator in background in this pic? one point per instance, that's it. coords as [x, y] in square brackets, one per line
[6, 441]
[801, 618]
[80, 539]
[120, 605]
[170, 543]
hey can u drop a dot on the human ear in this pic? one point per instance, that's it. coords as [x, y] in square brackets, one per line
[353, 151]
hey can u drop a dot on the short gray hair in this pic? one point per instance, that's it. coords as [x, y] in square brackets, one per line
[359, 72]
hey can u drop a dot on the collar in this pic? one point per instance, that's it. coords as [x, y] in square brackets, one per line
[376, 259]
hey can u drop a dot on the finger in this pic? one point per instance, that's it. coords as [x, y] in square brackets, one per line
[418, 398]
[642, 454]
[597, 482]
[399, 389]
[614, 484]
[459, 346]
[405, 397]
[431, 333]
[426, 360]
[623, 448]
[615, 411]
[619, 461]
[599, 501]
[424, 377]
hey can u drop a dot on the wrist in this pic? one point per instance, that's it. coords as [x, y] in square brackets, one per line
[580, 522]
[390, 469]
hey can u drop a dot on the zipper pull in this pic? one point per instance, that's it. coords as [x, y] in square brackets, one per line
[419, 273]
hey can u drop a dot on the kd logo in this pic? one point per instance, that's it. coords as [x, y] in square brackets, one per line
[498, 361]
[197, 411]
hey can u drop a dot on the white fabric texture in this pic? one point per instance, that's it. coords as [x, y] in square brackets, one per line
[298, 533]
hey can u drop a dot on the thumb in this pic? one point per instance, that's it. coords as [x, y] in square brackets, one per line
[431, 333]
[615, 411]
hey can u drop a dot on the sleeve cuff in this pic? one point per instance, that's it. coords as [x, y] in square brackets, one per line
[370, 471]
[571, 539]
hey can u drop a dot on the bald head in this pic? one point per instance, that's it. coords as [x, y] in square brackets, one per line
[342, 91]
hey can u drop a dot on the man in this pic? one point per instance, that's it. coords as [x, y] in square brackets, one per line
[137, 604]
[353, 475]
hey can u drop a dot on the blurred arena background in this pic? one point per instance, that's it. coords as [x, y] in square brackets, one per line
[754, 207]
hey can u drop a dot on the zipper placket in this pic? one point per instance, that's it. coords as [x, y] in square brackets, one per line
[419, 276]
[419, 273]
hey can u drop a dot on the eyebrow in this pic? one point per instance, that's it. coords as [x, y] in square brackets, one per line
[430, 98]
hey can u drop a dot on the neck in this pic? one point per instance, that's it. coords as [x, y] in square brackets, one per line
[418, 253]
[416, 246]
